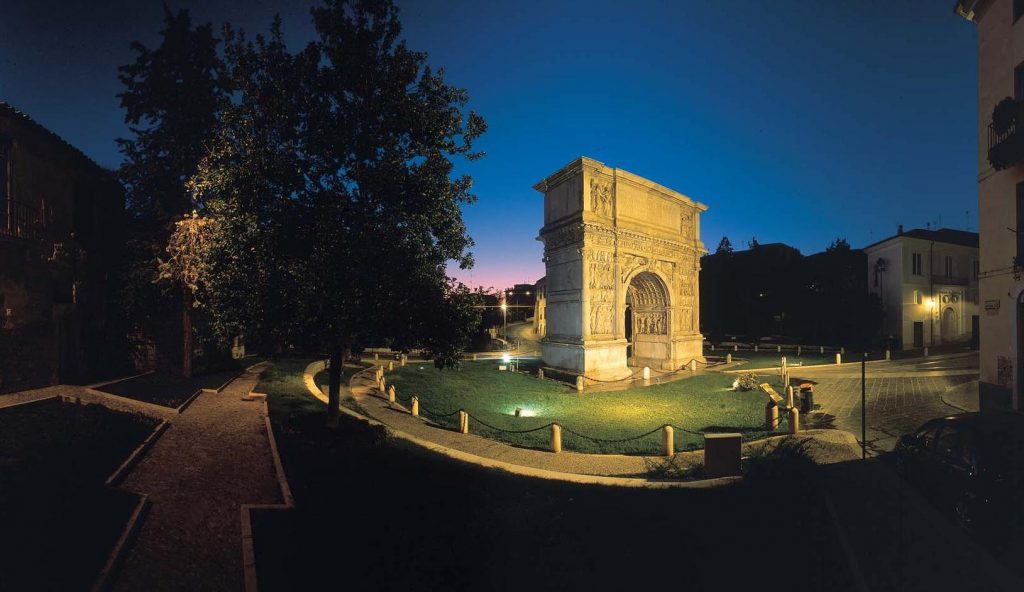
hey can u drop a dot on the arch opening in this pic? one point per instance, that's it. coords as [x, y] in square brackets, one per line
[648, 322]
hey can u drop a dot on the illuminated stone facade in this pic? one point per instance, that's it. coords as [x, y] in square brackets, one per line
[622, 256]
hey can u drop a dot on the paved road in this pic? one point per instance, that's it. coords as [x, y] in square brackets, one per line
[900, 395]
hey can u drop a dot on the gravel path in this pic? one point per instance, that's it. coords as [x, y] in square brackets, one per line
[214, 458]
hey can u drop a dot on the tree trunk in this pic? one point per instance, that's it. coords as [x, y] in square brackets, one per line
[187, 345]
[336, 361]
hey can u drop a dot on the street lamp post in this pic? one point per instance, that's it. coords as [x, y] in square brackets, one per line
[504, 319]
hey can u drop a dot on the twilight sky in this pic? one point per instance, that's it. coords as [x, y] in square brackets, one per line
[795, 121]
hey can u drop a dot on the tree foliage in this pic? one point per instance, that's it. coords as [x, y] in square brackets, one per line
[331, 178]
[171, 98]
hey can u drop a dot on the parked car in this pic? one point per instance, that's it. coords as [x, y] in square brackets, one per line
[971, 465]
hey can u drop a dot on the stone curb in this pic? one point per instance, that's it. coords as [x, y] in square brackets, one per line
[135, 457]
[117, 555]
[316, 367]
[29, 402]
[248, 545]
[97, 385]
[120, 403]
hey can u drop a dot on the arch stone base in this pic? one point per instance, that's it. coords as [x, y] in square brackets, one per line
[613, 239]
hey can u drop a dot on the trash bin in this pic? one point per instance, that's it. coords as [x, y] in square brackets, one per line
[806, 398]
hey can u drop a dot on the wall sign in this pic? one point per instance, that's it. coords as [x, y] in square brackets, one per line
[992, 307]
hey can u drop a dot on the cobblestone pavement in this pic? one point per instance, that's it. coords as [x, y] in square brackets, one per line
[900, 396]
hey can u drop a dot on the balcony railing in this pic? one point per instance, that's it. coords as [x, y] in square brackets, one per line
[18, 220]
[949, 280]
[1006, 147]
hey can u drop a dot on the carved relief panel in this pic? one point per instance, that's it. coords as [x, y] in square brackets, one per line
[601, 197]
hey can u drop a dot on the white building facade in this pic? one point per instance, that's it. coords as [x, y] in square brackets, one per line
[927, 281]
[1000, 195]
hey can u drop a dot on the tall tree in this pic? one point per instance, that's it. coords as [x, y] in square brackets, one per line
[331, 179]
[171, 98]
[387, 206]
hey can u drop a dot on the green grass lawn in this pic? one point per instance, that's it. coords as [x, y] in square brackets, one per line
[701, 403]
[380, 514]
[286, 390]
[57, 518]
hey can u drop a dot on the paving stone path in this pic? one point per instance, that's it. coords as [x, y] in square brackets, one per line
[899, 398]
[215, 457]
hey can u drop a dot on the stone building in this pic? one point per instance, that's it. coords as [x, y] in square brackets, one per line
[622, 256]
[60, 217]
[927, 281]
[1000, 196]
[540, 321]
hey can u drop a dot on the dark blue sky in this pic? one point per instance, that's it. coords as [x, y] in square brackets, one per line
[794, 121]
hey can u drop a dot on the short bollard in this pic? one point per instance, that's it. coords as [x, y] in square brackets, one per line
[821, 349]
[693, 365]
[728, 358]
[375, 356]
[778, 348]
[771, 415]
[926, 352]
[391, 394]
[839, 358]
[842, 350]
[789, 397]
[799, 350]
[401, 361]
[415, 406]
[556, 438]
[579, 384]
[668, 440]
[888, 355]
[474, 357]
[381, 386]
[735, 348]
[540, 373]
[755, 347]
[391, 366]
[794, 420]
[647, 375]
[712, 347]
[463, 422]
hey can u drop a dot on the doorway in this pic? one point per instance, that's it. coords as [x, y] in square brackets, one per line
[918, 335]
[949, 326]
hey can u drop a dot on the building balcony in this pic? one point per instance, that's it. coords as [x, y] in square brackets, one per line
[950, 280]
[1006, 140]
[19, 221]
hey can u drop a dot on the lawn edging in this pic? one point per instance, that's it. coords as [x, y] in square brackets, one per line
[316, 367]
[248, 545]
[119, 403]
[117, 554]
[133, 459]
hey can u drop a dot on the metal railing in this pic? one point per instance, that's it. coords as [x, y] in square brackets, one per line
[1004, 147]
[18, 220]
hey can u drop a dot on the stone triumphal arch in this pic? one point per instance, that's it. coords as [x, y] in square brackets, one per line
[622, 256]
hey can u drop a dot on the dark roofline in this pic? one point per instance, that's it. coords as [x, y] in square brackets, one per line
[23, 117]
[949, 236]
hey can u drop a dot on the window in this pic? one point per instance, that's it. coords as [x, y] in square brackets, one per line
[1018, 82]
[917, 297]
[4, 185]
[949, 266]
[1020, 223]
[916, 263]
[1018, 9]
